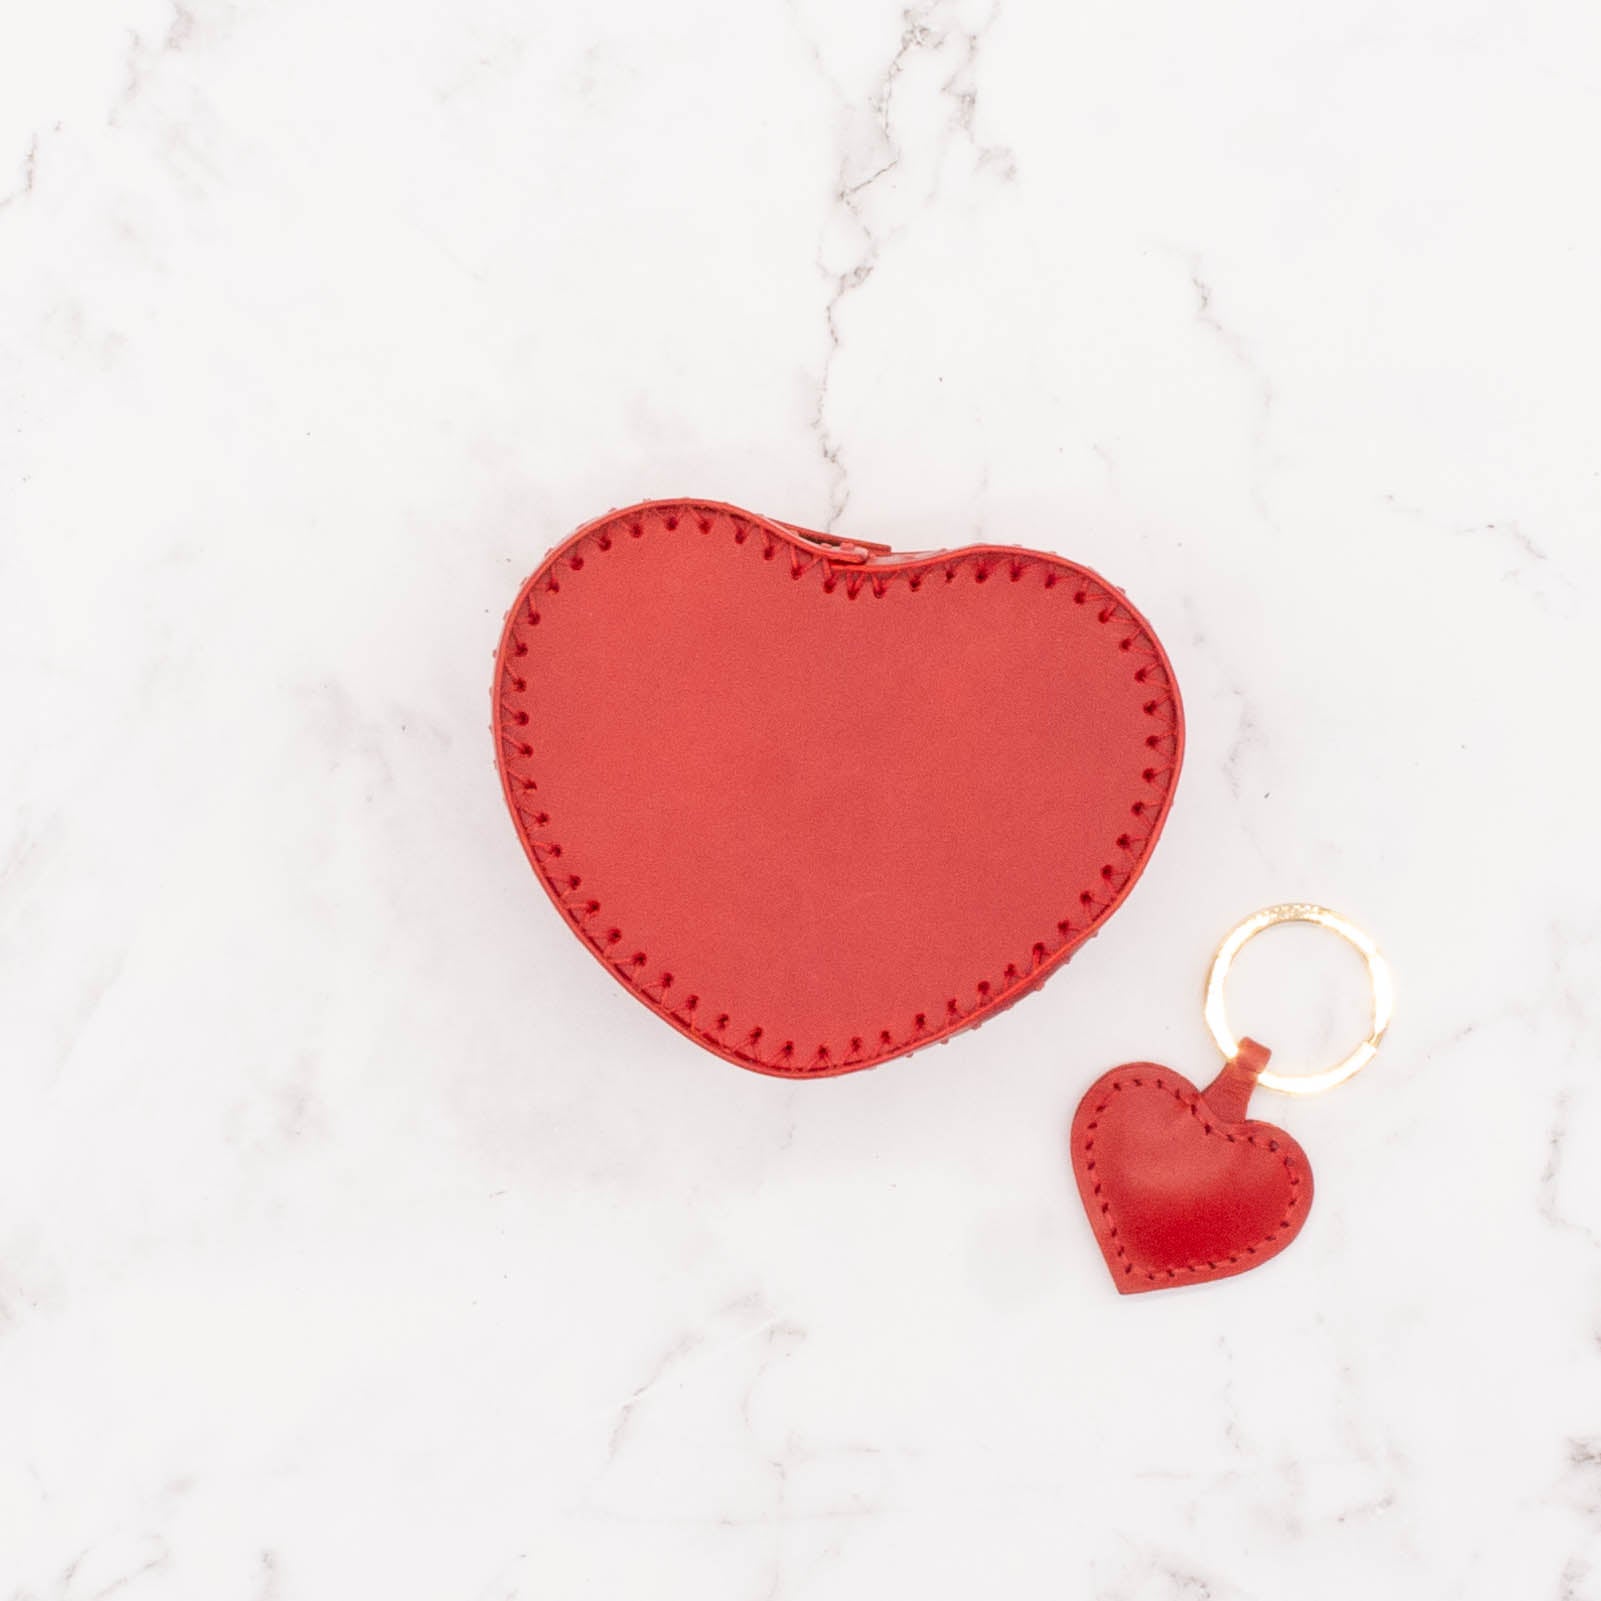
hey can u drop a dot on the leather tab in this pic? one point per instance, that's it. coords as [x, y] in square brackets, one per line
[1229, 1094]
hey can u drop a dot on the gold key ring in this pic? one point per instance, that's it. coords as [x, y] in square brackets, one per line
[1378, 977]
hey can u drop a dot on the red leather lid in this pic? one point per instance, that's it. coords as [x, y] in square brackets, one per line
[816, 805]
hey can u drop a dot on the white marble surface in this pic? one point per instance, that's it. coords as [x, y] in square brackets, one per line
[358, 1236]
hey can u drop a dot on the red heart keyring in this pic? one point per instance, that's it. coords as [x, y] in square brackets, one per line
[1179, 1186]
[817, 804]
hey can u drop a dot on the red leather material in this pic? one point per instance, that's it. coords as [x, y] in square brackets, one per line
[816, 804]
[1179, 1186]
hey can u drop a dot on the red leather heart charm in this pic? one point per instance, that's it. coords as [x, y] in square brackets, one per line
[817, 804]
[1178, 1185]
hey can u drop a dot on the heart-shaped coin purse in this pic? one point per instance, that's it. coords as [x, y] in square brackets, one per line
[817, 804]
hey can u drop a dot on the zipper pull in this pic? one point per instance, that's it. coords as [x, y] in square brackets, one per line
[851, 552]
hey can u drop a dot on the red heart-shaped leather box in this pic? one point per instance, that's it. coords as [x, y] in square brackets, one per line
[817, 804]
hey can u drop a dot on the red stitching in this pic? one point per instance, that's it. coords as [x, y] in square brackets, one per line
[1018, 976]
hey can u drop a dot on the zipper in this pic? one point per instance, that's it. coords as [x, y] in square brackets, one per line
[852, 552]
